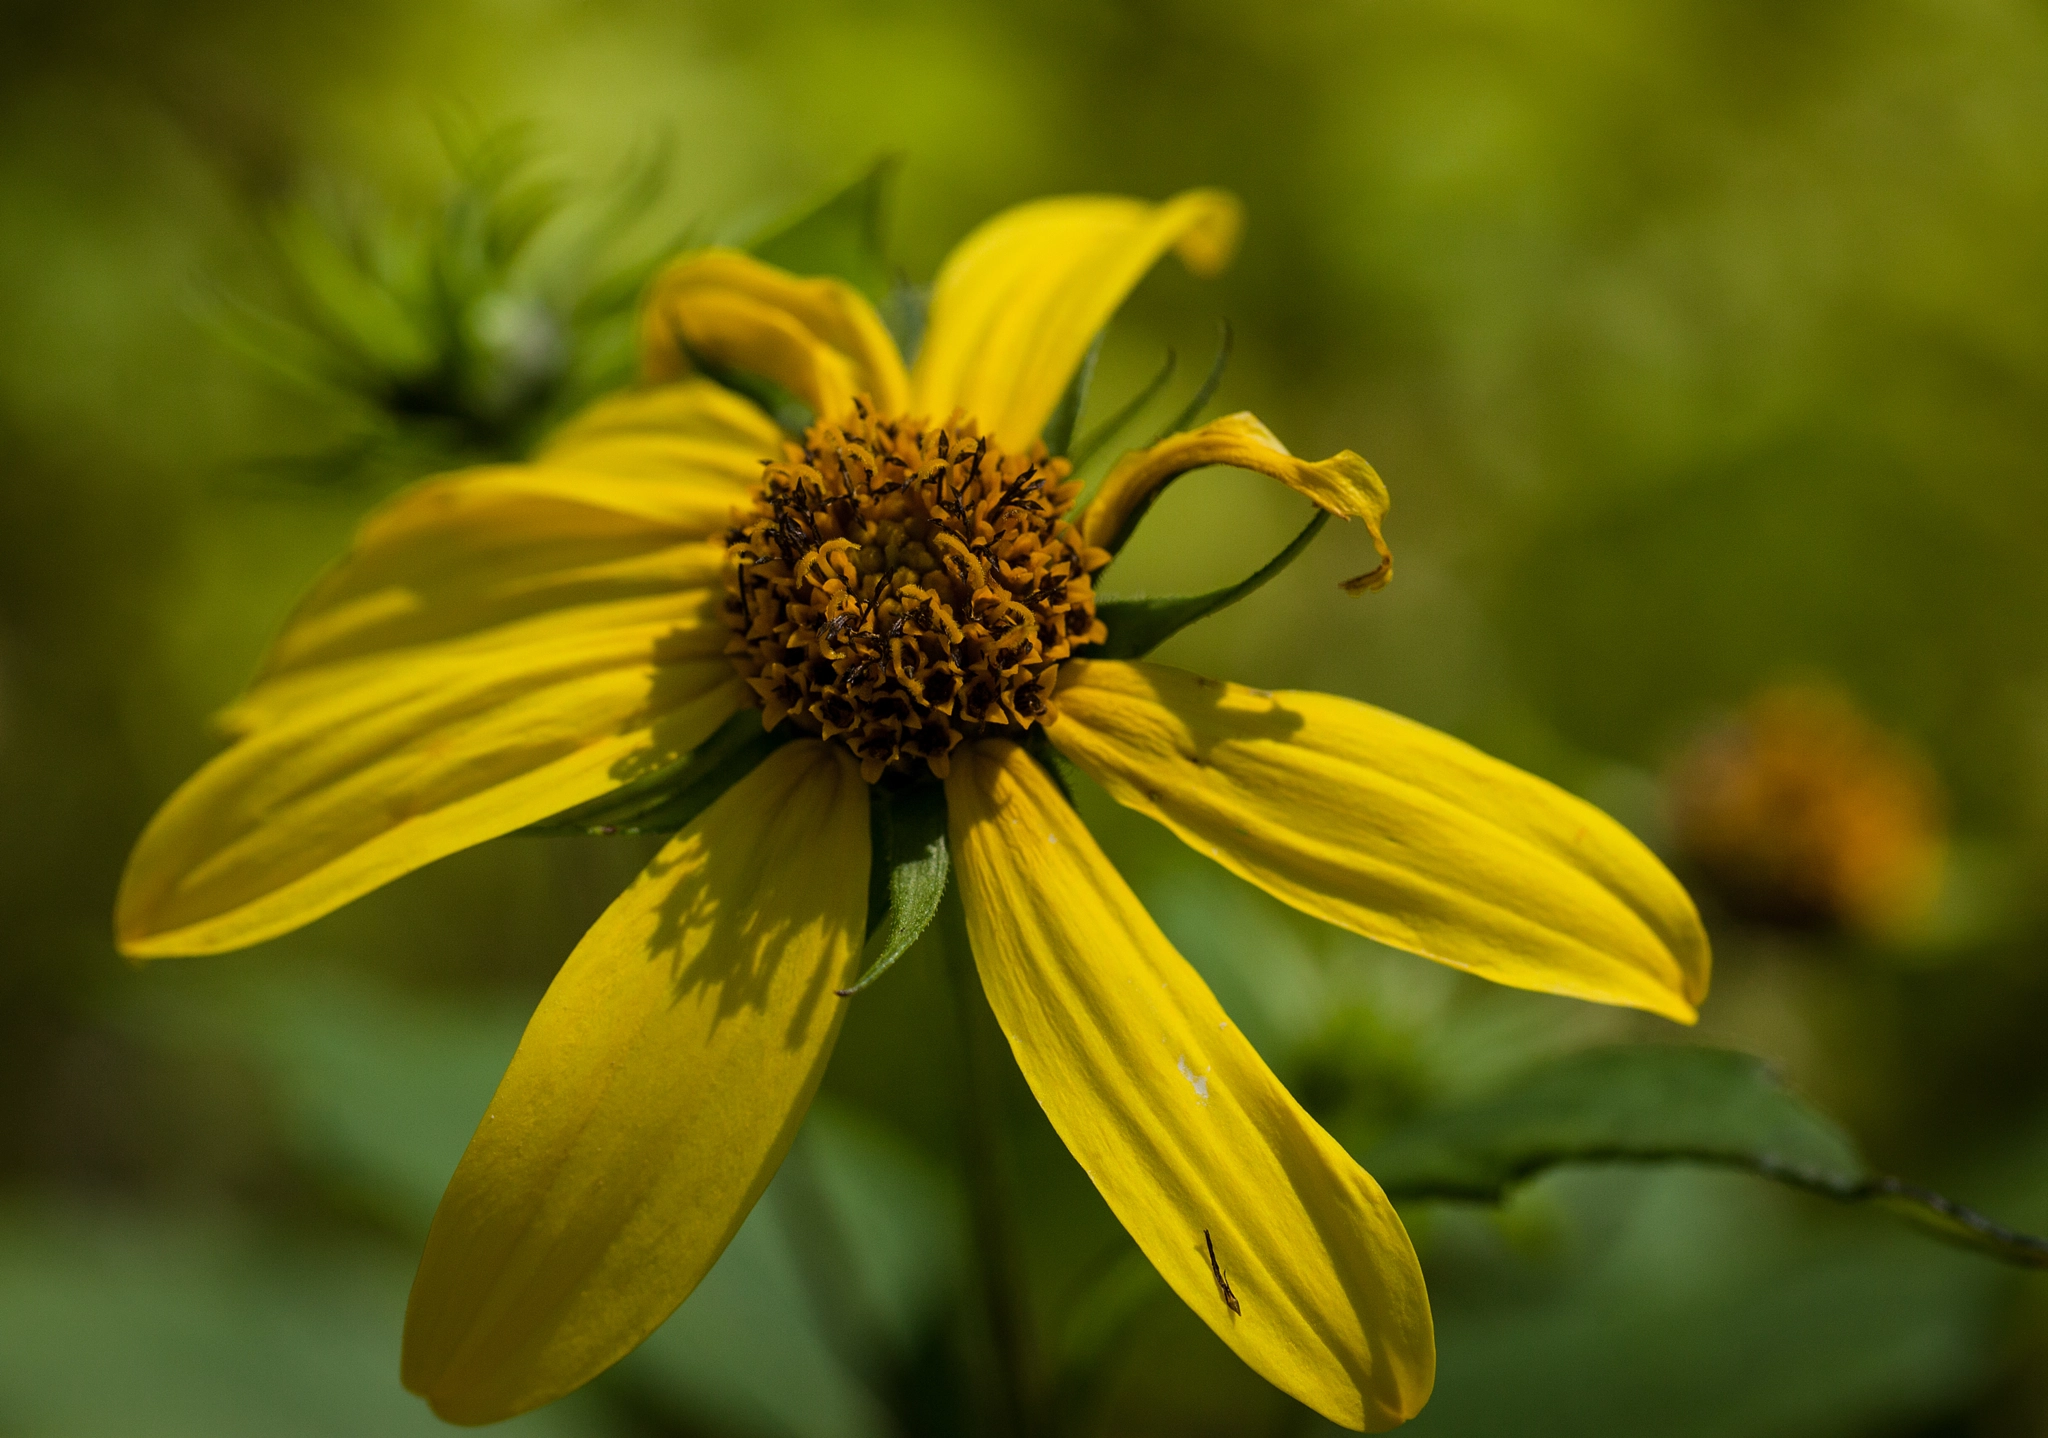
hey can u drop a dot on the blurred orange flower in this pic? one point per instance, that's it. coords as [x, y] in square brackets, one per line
[1803, 813]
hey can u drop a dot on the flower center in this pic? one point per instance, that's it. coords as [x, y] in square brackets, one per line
[901, 587]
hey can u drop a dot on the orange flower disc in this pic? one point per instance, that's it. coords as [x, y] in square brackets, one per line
[902, 587]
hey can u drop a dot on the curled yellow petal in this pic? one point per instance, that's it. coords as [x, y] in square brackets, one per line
[1344, 484]
[1192, 1141]
[1019, 301]
[1392, 830]
[688, 429]
[819, 339]
[655, 1093]
[412, 758]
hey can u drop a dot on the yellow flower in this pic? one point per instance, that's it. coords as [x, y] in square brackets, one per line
[903, 592]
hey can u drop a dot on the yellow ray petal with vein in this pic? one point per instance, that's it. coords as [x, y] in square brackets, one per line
[363, 782]
[818, 338]
[1393, 830]
[1017, 304]
[470, 551]
[1182, 1127]
[1343, 484]
[656, 1091]
[666, 626]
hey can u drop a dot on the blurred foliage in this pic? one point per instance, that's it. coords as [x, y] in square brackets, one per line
[461, 333]
[1658, 1103]
[1701, 346]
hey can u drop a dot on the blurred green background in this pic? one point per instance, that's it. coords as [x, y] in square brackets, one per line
[1704, 347]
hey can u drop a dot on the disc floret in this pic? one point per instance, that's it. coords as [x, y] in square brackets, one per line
[903, 586]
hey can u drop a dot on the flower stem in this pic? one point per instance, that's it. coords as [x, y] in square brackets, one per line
[983, 1054]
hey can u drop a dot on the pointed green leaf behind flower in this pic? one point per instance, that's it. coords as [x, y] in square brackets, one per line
[1088, 445]
[1138, 625]
[1663, 1104]
[1059, 427]
[841, 236]
[908, 875]
[1205, 391]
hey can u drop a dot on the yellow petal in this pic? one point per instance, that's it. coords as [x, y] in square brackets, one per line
[1343, 484]
[461, 553]
[1017, 304]
[653, 1096]
[361, 782]
[818, 338]
[629, 499]
[668, 626]
[1184, 1130]
[1392, 830]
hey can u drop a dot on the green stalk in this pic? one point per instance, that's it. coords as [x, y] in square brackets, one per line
[983, 1053]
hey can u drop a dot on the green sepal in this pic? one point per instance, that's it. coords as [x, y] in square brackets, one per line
[1205, 392]
[904, 311]
[1092, 442]
[1662, 1104]
[790, 414]
[1058, 433]
[907, 829]
[1138, 626]
[841, 236]
[1202, 395]
[1063, 772]
[666, 800]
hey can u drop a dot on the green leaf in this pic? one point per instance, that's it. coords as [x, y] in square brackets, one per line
[1700, 1311]
[842, 236]
[1138, 626]
[669, 798]
[1663, 1104]
[1059, 428]
[911, 860]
